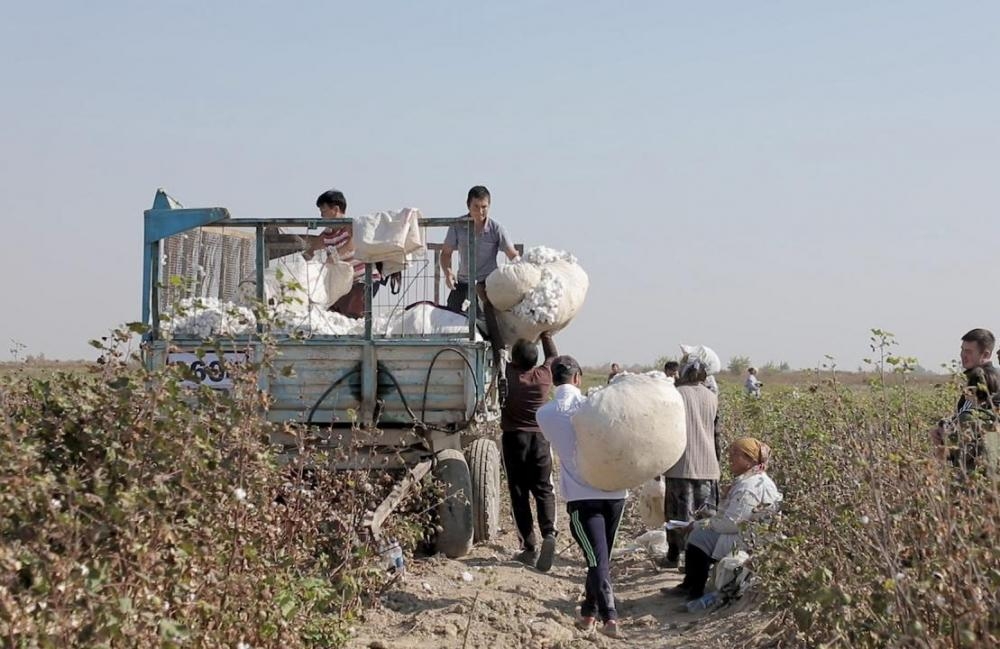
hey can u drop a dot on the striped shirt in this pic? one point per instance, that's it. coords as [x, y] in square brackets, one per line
[341, 240]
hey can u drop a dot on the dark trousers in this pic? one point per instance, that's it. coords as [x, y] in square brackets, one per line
[353, 303]
[683, 498]
[458, 296]
[527, 459]
[594, 525]
[696, 569]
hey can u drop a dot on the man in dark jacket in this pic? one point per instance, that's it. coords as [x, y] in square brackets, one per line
[526, 454]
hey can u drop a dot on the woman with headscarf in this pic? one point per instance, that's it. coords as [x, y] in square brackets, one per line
[693, 482]
[713, 538]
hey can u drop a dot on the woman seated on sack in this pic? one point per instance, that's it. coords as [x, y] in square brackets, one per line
[751, 494]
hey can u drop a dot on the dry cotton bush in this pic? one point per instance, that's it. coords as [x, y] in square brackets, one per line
[879, 544]
[136, 513]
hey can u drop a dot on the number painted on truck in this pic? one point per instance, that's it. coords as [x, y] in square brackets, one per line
[208, 369]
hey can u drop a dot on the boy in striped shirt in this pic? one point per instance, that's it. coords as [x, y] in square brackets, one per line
[333, 205]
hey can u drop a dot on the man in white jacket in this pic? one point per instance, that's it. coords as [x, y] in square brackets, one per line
[594, 514]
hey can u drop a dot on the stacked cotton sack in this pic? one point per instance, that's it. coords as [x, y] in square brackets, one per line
[543, 291]
[629, 432]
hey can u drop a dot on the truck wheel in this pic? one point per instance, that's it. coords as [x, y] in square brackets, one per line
[455, 511]
[484, 463]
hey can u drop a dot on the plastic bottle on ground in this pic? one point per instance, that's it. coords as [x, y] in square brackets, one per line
[704, 602]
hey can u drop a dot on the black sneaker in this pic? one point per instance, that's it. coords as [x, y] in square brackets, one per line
[678, 590]
[667, 563]
[527, 557]
[547, 555]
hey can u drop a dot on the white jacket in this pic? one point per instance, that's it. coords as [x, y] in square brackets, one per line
[751, 495]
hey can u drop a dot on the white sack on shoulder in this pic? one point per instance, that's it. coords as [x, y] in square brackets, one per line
[706, 355]
[629, 432]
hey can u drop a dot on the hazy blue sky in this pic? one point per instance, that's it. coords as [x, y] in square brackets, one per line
[770, 178]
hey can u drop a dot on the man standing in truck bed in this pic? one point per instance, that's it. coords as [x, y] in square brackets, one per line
[527, 456]
[491, 238]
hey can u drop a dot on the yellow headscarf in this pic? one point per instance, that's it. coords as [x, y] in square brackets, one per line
[754, 449]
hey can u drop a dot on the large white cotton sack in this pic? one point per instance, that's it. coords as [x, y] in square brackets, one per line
[550, 306]
[428, 319]
[310, 274]
[629, 432]
[508, 284]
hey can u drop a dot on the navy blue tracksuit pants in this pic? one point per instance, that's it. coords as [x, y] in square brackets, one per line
[594, 526]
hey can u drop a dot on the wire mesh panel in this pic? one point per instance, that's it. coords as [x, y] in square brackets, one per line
[210, 262]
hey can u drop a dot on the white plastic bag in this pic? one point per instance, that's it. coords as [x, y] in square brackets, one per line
[629, 432]
[728, 570]
[651, 503]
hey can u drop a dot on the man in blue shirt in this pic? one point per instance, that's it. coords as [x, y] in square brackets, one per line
[491, 238]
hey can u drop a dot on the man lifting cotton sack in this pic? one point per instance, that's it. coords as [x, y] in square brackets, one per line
[543, 291]
[629, 432]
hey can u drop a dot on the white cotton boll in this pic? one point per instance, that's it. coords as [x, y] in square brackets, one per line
[541, 305]
[543, 255]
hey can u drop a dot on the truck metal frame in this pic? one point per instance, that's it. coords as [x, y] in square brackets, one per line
[391, 400]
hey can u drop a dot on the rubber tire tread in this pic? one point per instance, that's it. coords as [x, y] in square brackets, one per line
[455, 510]
[484, 465]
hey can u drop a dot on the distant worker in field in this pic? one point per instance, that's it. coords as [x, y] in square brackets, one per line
[594, 514]
[490, 239]
[615, 371]
[339, 240]
[671, 369]
[752, 384]
[527, 455]
[962, 438]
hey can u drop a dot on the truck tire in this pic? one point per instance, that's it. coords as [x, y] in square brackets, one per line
[484, 463]
[454, 512]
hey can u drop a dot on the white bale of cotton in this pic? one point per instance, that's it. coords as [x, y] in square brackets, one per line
[543, 291]
[629, 432]
[208, 317]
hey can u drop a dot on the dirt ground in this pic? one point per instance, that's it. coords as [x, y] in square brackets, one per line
[487, 600]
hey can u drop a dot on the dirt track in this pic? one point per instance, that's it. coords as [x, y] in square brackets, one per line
[509, 605]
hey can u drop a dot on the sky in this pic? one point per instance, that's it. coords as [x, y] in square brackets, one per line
[771, 179]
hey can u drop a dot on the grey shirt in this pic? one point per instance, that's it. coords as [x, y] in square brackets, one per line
[494, 239]
[699, 461]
